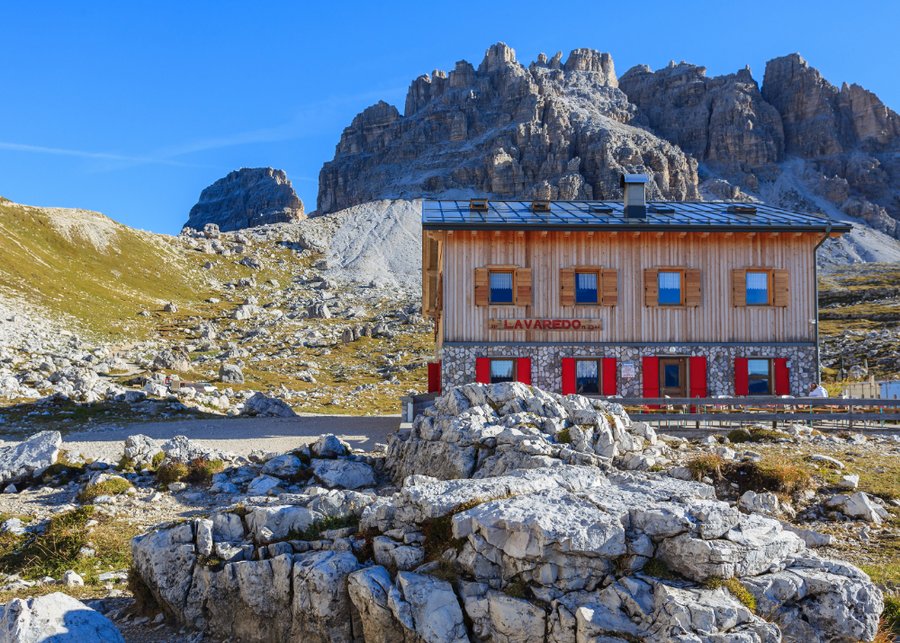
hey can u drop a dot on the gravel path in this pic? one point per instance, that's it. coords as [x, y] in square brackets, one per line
[237, 435]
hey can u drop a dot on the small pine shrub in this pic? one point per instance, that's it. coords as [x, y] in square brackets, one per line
[564, 437]
[202, 470]
[157, 459]
[658, 569]
[172, 471]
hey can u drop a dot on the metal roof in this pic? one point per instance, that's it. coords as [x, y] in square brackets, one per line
[610, 215]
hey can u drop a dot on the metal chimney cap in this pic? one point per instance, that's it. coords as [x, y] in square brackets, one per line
[634, 178]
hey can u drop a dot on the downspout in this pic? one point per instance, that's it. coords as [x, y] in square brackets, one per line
[816, 288]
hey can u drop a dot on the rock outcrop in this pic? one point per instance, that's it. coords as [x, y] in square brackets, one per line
[30, 458]
[549, 130]
[55, 617]
[797, 142]
[532, 548]
[247, 198]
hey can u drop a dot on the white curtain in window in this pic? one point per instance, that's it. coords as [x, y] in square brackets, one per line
[586, 280]
[669, 280]
[501, 280]
[757, 287]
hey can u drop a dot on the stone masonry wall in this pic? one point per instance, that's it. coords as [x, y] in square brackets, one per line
[458, 362]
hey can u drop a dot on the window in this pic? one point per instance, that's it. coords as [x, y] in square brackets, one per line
[671, 375]
[757, 288]
[586, 290]
[587, 377]
[759, 377]
[501, 285]
[670, 291]
[503, 370]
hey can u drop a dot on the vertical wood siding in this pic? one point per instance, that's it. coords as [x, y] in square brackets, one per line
[715, 319]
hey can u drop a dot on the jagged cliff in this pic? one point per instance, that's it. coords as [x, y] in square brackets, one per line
[246, 198]
[553, 129]
[567, 129]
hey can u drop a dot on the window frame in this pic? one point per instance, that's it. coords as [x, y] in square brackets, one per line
[770, 376]
[598, 275]
[681, 287]
[770, 286]
[507, 271]
[515, 368]
[599, 362]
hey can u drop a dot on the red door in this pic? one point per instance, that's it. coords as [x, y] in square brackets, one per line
[434, 377]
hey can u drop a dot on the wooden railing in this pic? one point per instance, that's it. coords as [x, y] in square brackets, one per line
[736, 410]
[763, 409]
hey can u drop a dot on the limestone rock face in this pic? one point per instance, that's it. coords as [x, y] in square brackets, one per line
[525, 546]
[549, 130]
[55, 617]
[247, 198]
[29, 458]
[722, 120]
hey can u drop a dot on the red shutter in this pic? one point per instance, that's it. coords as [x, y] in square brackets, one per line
[568, 375]
[650, 372]
[483, 370]
[523, 370]
[782, 377]
[609, 376]
[698, 376]
[741, 376]
[434, 377]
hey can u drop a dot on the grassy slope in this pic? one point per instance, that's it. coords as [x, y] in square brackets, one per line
[103, 288]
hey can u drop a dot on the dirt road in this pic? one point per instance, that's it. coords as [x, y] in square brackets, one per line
[238, 435]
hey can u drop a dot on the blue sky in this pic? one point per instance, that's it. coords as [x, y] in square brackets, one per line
[132, 108]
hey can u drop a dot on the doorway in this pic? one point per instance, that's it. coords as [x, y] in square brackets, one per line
[673, 377]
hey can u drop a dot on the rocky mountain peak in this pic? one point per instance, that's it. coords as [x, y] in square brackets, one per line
[246, 198]
[550, 129]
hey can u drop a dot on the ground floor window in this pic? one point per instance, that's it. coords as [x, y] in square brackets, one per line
[587, 377]
[503, 370]
[759, 376]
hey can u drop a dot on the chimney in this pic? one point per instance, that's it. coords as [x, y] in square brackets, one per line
[635, 195]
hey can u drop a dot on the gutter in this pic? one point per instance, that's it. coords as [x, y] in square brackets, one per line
[641, 228]
[816, 290]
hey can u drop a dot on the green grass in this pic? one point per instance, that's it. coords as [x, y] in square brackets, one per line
[736, 588]
[706, 465]
[57, 549]
[658, 569]
[111, 487]
[172, 471]
[316, 529]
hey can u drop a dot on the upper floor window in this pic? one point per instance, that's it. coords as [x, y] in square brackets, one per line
[586, 288]
[501, 286]
[758, 290]
[503, 370]
[670, 288]
[759, 377]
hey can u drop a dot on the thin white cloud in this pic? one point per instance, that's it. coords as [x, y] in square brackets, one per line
[309, 120]
[86, 154]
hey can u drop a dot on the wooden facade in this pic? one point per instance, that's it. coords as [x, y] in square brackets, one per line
[712, 312]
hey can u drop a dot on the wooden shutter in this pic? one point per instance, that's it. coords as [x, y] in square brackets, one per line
[523, 370]
[568, 375]
[609, 288]
[434, 377]
[650, 374]
[692, 287]
[781, 288]
[741, 376]
[698, 377]
[567, 287]
[483, 370]
[739, 287]
[482, 287]
[523, 286]
[782, 377]
[609, 376]
[651, 288]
